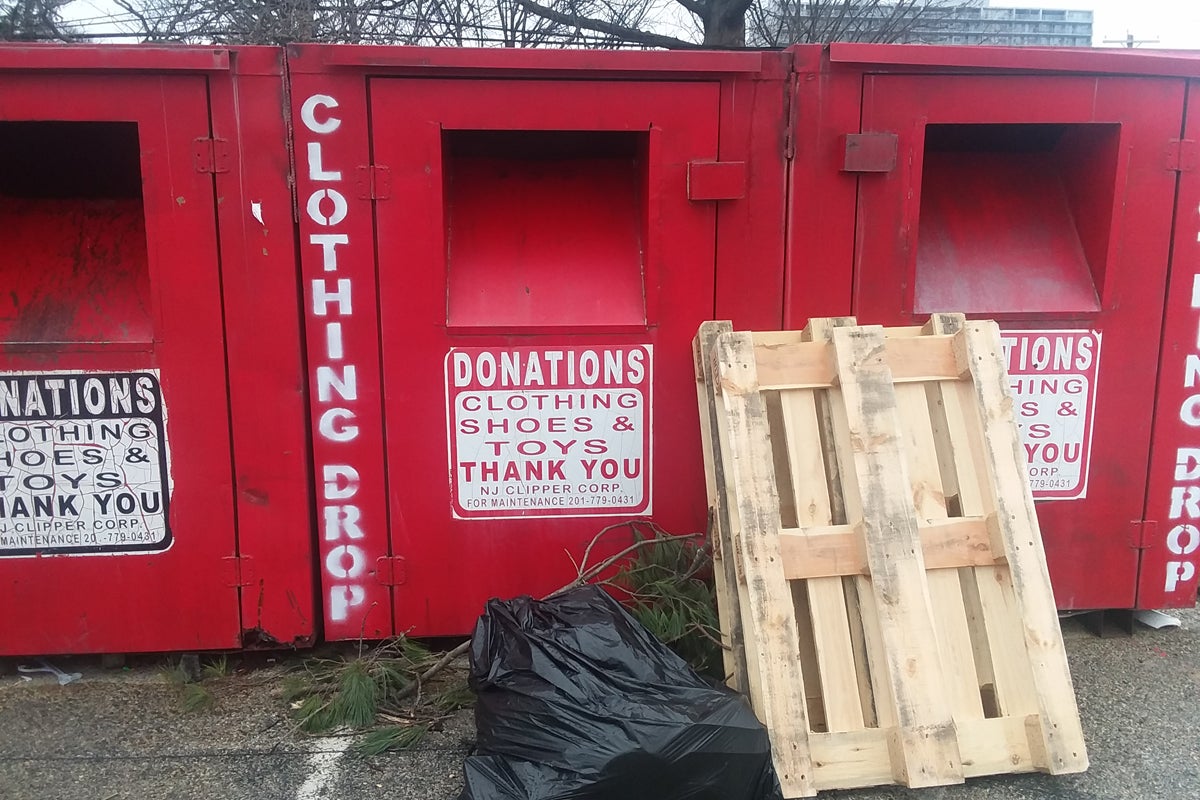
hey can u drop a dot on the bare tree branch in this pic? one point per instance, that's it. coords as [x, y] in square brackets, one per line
[600, 26]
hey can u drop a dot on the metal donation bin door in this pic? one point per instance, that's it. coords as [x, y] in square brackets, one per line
[541, 273]
[1046, 203]
[116, 503]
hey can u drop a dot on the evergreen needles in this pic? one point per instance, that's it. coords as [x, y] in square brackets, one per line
[668, 588]
[383, 682]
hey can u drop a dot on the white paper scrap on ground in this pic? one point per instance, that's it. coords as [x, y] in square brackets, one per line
[1156, 619]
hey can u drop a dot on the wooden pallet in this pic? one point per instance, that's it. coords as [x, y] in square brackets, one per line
[880, 571]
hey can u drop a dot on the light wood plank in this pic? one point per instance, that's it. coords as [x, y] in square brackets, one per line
[859, 759]
[845, 669]
[810, 365]
[958, 452]
[801, 365]
[826, 600]
[1061, 733]
[875, 690]
[995, 746]
[733, 653]
[839, 549]
[768, 616]
[945, 591]
[925, 747]
[810, 484]
[852, 759]
[858, 643]
[805, 335]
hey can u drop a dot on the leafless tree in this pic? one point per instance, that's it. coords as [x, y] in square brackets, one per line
[533, 23]
[33, 20]
[427, 22]
[775, 23]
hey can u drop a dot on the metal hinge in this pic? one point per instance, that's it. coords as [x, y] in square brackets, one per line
[391, 570]
[374, 182]
[1142, 532]
[791, 112]
[211, 156]
[237, 570]
[1182, 155]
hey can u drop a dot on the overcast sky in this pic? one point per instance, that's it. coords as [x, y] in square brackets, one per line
[1176, 23]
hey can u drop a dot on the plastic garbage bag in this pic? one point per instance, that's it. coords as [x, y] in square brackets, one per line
[577, 700]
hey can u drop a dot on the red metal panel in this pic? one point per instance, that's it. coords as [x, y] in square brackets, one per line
[1168, 576]
[716, 180]
[173, 600]
[446, 60]
[1026, 59]
[337, 259]
[1124, 197]
[453, 565]
[263, 340]
[749, 246]
[114, 57]
[821, 198]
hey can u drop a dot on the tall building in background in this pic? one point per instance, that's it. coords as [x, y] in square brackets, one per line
[981, 23]
[926, 21]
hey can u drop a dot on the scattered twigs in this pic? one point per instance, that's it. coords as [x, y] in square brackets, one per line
[584, 574]
[390, 682]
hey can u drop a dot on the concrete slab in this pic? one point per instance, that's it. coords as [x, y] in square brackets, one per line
[121, 735]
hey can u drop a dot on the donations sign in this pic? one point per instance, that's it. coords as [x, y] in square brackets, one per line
[549, 431]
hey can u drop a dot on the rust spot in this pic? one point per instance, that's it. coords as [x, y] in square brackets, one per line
[45, 318]
[256, 496]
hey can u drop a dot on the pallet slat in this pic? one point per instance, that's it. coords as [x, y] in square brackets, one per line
[925, 744]
[901, 628]
[729, 613]
[776, 689]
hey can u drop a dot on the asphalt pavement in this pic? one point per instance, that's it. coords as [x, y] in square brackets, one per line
[122, 734]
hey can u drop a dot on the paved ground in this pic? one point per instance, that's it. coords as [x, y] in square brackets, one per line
[121, 735]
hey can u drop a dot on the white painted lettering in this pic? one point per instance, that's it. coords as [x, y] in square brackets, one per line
[345, 565]
[308, 114]
[1185, 500]
[346, 561]
[342, 599]
[316, 211]
[315, 171]
[328, 382]
[1189, 412]
[328, 242]
[342, 522]
[333, 425]
[1179, 572]
[322, 297]
[1187, 464]
[341, 481]
[333, 341]
[1181, 546]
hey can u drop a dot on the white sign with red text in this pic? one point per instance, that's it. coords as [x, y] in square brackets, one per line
[1053, 374]
[549, 431]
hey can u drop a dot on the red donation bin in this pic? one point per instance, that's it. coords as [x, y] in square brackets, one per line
[152, 454]
[505, 256]
[1040, 188]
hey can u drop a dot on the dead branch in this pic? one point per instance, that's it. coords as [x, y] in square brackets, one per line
[584, 576]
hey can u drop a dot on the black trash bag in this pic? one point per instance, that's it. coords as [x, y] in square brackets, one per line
[578, 701]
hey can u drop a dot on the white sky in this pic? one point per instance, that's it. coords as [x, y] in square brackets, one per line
[1174, 23]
